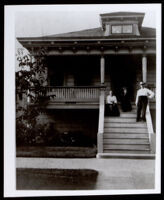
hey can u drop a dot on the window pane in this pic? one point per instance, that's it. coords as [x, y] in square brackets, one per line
[116, 29]
[127, 29]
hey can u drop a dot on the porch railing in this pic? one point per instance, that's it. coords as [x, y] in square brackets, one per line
[73, 93]
[152, 136]
[153, 88]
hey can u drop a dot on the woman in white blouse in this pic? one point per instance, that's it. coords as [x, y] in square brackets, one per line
[111, 105]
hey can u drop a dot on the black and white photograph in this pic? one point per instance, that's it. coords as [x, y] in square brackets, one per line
[81, 91]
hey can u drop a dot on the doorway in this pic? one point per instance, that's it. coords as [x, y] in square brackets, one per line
[122, 73]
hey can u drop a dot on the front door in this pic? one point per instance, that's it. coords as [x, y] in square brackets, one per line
[123, 74]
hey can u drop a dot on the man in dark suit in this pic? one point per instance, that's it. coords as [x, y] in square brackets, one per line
[142, 100]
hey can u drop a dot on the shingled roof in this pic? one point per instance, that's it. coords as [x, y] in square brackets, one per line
[98, 33]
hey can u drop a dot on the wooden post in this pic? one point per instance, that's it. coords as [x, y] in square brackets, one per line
[144, 68]
[102, 69]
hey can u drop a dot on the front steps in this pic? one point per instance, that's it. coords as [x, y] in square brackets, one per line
[126, 155]
[125, 138]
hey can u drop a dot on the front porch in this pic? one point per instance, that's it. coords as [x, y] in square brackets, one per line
[85, 81]
[77, 81]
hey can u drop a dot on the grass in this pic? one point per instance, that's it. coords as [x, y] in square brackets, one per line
[56, 152]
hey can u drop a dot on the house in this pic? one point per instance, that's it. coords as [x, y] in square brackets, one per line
[84, 65]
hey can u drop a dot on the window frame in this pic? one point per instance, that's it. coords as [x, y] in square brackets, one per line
[121, 25]
[127, 25]
[117, 26]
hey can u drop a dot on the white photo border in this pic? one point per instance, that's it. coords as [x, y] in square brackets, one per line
[9, 109]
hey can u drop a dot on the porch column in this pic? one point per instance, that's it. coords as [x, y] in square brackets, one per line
[102, 69]
[144, 68]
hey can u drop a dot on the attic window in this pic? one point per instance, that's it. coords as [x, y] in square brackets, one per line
[119, 29]
[127, 29]
[116, 29]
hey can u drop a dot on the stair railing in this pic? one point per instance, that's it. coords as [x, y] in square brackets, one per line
[101, 121]
[150, 129]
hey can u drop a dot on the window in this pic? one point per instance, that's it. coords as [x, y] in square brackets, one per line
[127, 29]
[116, 29]
[119, 29]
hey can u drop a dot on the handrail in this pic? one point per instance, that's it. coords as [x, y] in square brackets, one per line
[149, 122]
[68, 93]
[101, 121]
[97, 86]
[152, 137]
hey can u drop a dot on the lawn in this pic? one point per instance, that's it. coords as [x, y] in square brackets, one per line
[56, 152]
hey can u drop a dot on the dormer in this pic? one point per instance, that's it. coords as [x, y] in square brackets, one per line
[121, 23]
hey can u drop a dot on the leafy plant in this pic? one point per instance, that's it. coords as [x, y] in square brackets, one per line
[31, 80]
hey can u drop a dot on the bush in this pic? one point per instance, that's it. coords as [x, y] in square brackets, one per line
[28, 132]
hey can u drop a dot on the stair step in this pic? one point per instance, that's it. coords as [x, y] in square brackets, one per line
[123, 115]
[126, 147]
[133, 111]
[126, 141]
[131, 114]
[124, 125]
[126, 155]
[125, 135]
[127, 151]
[119, 119]
[125, 130]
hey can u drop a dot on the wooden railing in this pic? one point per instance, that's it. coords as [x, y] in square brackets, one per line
[152, 88]
[149, 121]
[73, 93]
[64, 94]
[150, 129]
[101, 121]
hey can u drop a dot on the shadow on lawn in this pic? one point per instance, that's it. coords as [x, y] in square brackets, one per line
[55, 179]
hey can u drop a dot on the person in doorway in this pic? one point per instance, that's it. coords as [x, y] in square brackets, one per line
[142, 100]
[125, 100]
[111, 105]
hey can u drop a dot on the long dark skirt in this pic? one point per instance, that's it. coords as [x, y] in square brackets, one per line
[125, 104]
[111, 110]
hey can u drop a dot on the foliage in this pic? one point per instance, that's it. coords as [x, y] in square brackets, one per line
[31, 73]
[30, 79]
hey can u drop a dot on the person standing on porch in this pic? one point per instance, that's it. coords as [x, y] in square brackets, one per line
[142, 100]
[125, 100]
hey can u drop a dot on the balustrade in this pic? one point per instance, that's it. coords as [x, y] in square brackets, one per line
[76, 93]
[152, 88]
